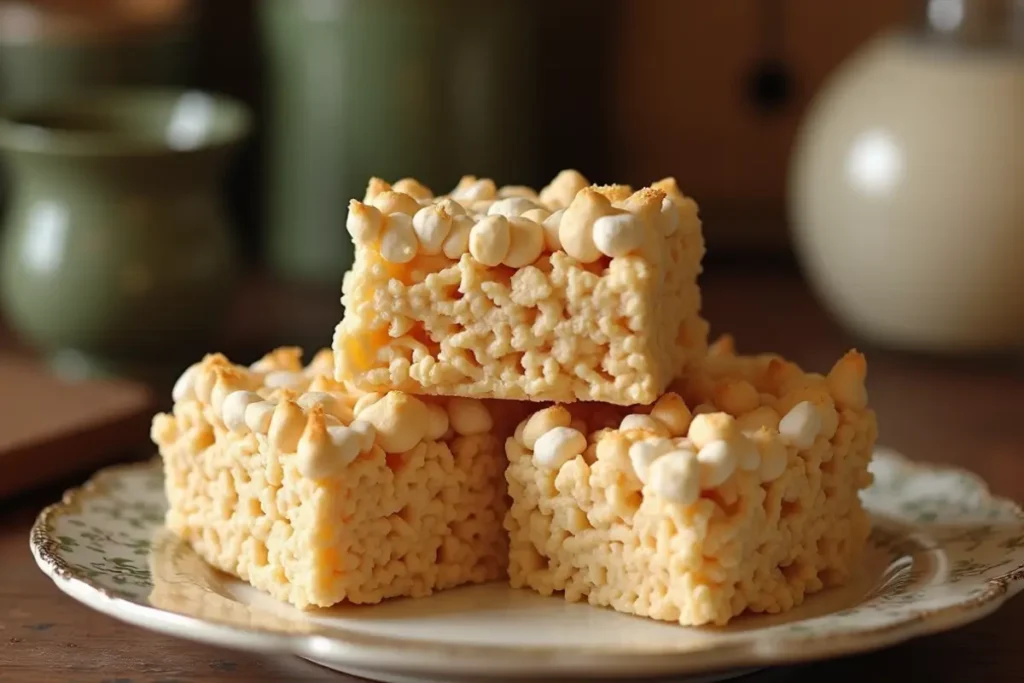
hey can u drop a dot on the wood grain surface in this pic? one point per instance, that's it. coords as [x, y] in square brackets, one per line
[963, 412]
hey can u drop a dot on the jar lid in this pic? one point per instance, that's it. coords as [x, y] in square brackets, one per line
[35, 21]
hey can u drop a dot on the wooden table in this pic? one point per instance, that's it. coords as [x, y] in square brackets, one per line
[956, 412]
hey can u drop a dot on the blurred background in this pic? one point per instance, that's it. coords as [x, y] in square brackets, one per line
[176, 174]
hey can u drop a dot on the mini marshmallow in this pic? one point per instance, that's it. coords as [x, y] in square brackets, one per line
[365, 401]
[469, 416]
[618, 235]
[774, 458]
[708, 427]
[323, 454]
[457, 242]
[437, 422]
[643, 453]
[490, 239]
[526, 242]
[327, 401]
[286, 426]
[375, 187]
[676, 477]
[846, 381]
[542, 422]
[431, 225]
[258, 415]
[748, 458]
[536, 215]
[390, 202]
[718, 460]
[284, 379]
[561, 191]
[645, 423]
[575, 232]
[558, 446]
[451, 207]
[512, 207]
[551, 225]
[669, 216]
[364, 222]
[736, 397]
[801, 425]
[367, 434]
[671, 411]
[185, 386]
[413, 188]
[470, 189]
[506, 191]
[398, 242]
[233, 408]
[401, 421]
[763, 416]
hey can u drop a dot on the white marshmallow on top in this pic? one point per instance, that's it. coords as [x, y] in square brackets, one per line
[774, 457]
[801, 425]
[185, 386]
[669, 216]
[258, 416]
[542, 422]
[284, 379]
[558, 446]
[233, 409]
[675, 477]
[490, 239]
[364, 221]
[457, 242]
[390, 202]
[526, 242]
[636, 421]
[469, 416]
[432, 225]
[575, 232]
[642, 455]
[671, 410]
[718, 460]
[618, 235]
[511, 207]
[551, 225]
[401, 421]
[398, 243]
[437, 422]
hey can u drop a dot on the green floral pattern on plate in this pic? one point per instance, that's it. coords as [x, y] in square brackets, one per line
[946, 551]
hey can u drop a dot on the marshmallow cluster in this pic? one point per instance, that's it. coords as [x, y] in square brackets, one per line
[277, 399]
[677, 453]
[513, 225]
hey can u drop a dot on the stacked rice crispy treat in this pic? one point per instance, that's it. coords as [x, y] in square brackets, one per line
[522, 386]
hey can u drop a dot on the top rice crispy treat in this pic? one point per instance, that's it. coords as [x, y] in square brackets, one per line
[737, 491]
[578, 292]
[316, 493]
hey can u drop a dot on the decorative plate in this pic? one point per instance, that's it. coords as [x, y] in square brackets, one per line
[943, 552]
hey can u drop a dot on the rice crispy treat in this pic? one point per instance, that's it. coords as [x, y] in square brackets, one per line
[737, 491]
[578, 292]
[317, 494]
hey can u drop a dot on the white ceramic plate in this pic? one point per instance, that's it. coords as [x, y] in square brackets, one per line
[943, 552]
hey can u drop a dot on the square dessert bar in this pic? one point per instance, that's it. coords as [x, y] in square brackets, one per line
[737, 491]
[318, 494]
[578, 292]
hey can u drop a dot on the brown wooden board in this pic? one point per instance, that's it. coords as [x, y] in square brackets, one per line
[50, 428]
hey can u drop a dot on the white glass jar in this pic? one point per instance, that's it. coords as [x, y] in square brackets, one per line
[907, 184]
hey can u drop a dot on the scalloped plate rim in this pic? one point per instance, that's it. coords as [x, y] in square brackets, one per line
[446, 658]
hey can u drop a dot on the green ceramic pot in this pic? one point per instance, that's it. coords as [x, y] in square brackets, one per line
[117, 252]
[391, 88]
